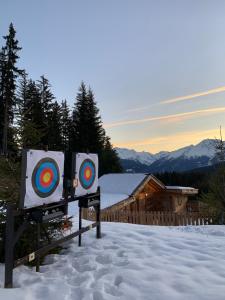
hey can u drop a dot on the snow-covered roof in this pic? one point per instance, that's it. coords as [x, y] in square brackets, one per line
[120, 183]
[118, 187]
[183, 189]
[108, 200]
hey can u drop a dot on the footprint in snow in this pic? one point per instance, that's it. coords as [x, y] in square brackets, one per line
[97, 296]
[104, 259]
[118, 280]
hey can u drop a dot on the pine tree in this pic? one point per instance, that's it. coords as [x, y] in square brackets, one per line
[8, 86]
[80, 119]
[55, 141]
[47, 99]
[215, 197]
[97, 136]
[22, 109]
[110, 162]
[66, 126]
[2, 76]
[88, 132]
[32, 116]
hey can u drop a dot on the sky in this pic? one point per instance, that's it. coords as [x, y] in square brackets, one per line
[157, 67]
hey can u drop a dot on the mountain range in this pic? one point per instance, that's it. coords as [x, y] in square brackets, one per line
[184, 159]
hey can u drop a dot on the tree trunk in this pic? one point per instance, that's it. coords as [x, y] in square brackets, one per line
[5, 130]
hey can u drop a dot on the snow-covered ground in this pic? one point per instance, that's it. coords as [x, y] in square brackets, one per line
[131, 262]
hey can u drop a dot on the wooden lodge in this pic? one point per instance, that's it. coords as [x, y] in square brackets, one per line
[144, 193]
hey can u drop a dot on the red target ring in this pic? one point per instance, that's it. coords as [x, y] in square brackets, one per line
[46, 177]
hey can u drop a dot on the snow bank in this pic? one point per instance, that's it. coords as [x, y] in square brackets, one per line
[131, 262]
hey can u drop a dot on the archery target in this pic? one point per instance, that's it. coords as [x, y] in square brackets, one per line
[44, 177]
[86, 173]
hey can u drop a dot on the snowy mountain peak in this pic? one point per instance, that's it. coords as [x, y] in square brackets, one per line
[204, 148]
[202, 154]
[143, 157]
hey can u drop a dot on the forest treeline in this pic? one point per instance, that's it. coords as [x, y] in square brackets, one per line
[32, 117]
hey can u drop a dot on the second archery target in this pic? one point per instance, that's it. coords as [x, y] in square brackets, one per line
[42, 177]
[86, 173]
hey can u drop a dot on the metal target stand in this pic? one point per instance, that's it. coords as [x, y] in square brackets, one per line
[41, 215]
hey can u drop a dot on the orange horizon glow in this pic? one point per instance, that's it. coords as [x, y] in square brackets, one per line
[169, 142]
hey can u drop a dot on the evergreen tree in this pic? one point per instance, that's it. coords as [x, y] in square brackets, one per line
[216, 196]
[88, 132]
[66, 126]
[55, 141]
[110, 162]
[80, 118]
[97, 136]
[47, 99]
[31, 115]
[2, 76]
[9, 75]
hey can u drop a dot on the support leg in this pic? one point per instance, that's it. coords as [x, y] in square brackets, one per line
[38, 246]
[98, 219]
[80, 225]
[9, 247]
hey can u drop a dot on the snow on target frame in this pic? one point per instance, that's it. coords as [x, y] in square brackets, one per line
[84, 173]
[42, 177]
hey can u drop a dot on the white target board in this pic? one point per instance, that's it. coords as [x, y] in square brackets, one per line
[86, 173]
[42, 177]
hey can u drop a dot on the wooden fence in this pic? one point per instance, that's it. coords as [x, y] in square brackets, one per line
[153, 217]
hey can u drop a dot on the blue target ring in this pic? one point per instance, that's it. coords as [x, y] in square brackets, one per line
[45, 177]
[87, 174]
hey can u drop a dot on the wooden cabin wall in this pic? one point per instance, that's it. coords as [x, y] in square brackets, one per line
[153, 198]
[158, 201]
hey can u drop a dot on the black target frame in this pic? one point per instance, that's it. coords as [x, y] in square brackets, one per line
[37, 216]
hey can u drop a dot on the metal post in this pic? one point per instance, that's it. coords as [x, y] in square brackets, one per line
[38, 246]
[9, 246]
[98, 220]
[80, 225]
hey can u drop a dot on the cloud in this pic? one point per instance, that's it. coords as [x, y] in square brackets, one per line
[200, 94]
[179, 116]
[182, 98]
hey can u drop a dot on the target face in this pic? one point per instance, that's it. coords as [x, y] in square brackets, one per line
[45, 177]
[42, 177]
[87, 174]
